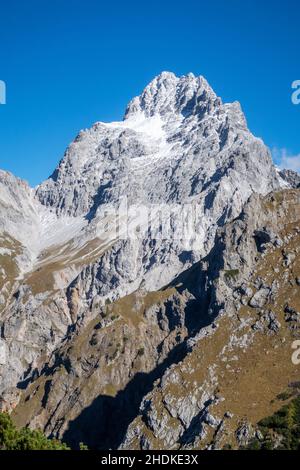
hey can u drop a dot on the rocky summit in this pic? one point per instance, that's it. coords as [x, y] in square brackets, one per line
[149, 288]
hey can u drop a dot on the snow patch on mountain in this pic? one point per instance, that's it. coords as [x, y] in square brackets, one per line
[180, 150]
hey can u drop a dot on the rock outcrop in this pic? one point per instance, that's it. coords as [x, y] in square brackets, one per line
[233, 373]
[117, 267]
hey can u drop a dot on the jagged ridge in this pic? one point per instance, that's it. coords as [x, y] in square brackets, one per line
[178, 144]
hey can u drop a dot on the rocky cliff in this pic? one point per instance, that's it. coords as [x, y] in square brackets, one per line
[131, 259]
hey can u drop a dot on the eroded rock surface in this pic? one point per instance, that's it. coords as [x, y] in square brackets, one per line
[97, 311]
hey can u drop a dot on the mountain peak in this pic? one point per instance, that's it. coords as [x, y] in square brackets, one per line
[168, 94]
[176, 140]
[134, 210]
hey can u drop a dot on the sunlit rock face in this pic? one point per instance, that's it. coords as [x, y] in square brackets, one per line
[93, 230]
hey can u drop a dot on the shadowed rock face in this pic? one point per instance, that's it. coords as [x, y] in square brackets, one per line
[61, 262]
[179, 368]
[234, 375]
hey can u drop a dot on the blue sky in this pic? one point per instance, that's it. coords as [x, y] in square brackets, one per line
[69, 63]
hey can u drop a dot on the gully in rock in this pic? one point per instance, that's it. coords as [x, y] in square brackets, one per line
[134, 329]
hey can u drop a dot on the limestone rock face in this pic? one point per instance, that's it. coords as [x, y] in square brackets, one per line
[177, 142]
[292, 178]
[133, 206]
[209, 399]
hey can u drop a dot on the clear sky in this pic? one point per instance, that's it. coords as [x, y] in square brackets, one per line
[69, 63]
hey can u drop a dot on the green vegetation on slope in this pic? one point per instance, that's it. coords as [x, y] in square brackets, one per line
[280, 431]
[12, 438]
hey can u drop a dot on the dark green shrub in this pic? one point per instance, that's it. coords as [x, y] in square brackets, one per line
[12, 438]
[231, 273]
[281, 430]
